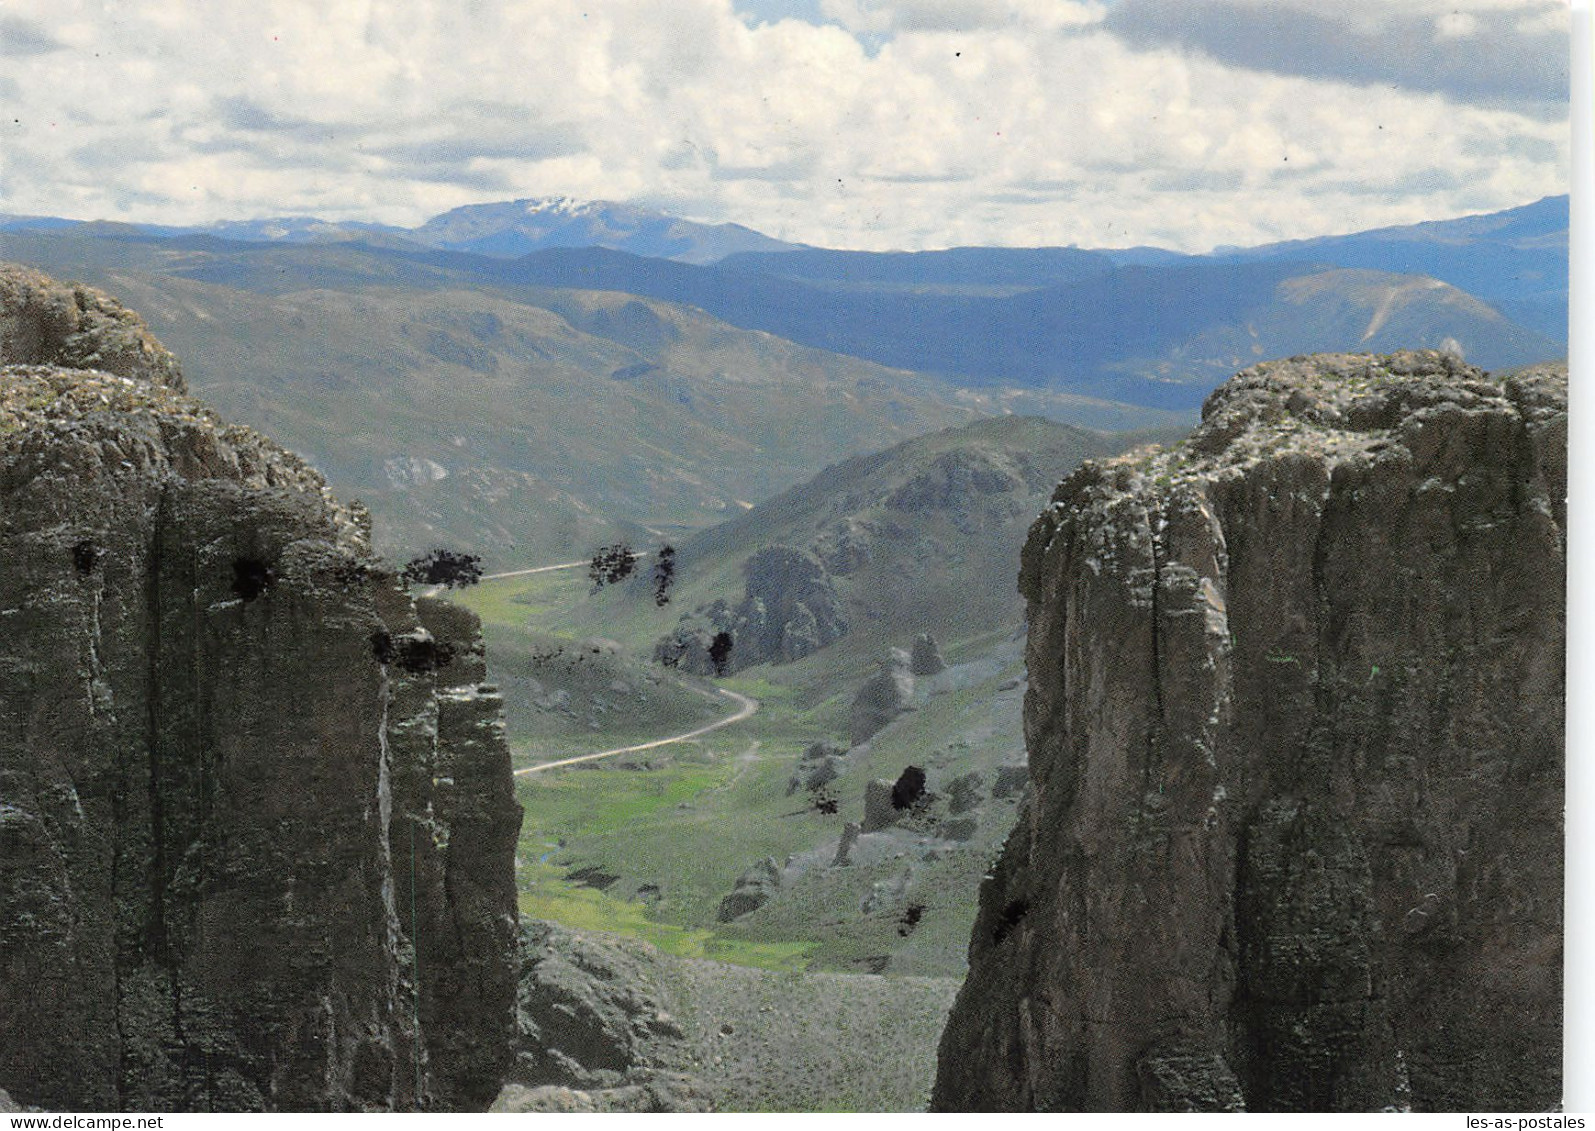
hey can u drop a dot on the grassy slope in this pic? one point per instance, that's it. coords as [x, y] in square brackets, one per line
[564, 418]
[676, 826]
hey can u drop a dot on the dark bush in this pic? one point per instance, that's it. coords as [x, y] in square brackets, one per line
[720, 652]
[909, 788]
[611, 564]
[664, 575]
[444, 567]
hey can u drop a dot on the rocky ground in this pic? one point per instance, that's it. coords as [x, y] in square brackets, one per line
[611, 1024]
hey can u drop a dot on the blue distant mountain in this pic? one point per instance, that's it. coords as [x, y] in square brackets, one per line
[503, 230]
[1139, 326]
[1516, 260]
[516, 227]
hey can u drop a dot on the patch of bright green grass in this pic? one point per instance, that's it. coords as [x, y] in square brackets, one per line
[550, 897]
[594, 802]
[514, 601]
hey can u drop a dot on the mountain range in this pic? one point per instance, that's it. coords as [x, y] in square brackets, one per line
[523, 405]
[507, 229]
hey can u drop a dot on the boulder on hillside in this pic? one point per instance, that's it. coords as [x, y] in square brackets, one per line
[844, 847]
[884, 696]
[966, 791]
[753, 890]
[926, 658]
[811, 775]
[591, 1011]
[1011, 779]
[816, 751]
[879, 812]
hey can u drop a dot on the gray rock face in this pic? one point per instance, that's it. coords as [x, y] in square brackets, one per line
[43, 322]
[256, 816]
[590, 1012]
[599, 1029]
[884, 696]
[879, 812]
[1295, 726]
[790, 610]
[662, 1094]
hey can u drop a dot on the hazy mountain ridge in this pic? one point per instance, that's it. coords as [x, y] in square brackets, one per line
[377, 388]
[919, 536]
[504, 229]
[469, 418]
[1516, 260]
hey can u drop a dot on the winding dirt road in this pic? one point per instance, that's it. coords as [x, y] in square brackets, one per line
[639, 554]
[745, 708]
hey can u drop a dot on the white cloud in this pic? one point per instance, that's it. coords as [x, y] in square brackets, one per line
[962, 121]
[884, 16]
[1456, 25]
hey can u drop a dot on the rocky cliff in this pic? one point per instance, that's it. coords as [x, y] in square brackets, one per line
[256, 816]
[1295, 724]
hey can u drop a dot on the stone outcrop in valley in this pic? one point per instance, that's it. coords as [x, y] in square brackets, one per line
[790, 609]
[1293, 839]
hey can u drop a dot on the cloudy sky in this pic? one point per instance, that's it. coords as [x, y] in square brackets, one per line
[847, 123]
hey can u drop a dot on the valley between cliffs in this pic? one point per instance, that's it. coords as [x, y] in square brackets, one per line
[1291, 838]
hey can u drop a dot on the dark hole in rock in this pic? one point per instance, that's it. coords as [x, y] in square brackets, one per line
[251, 578]
[1011, 916]
[909, 788]
[416, 656]
[85, 555]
